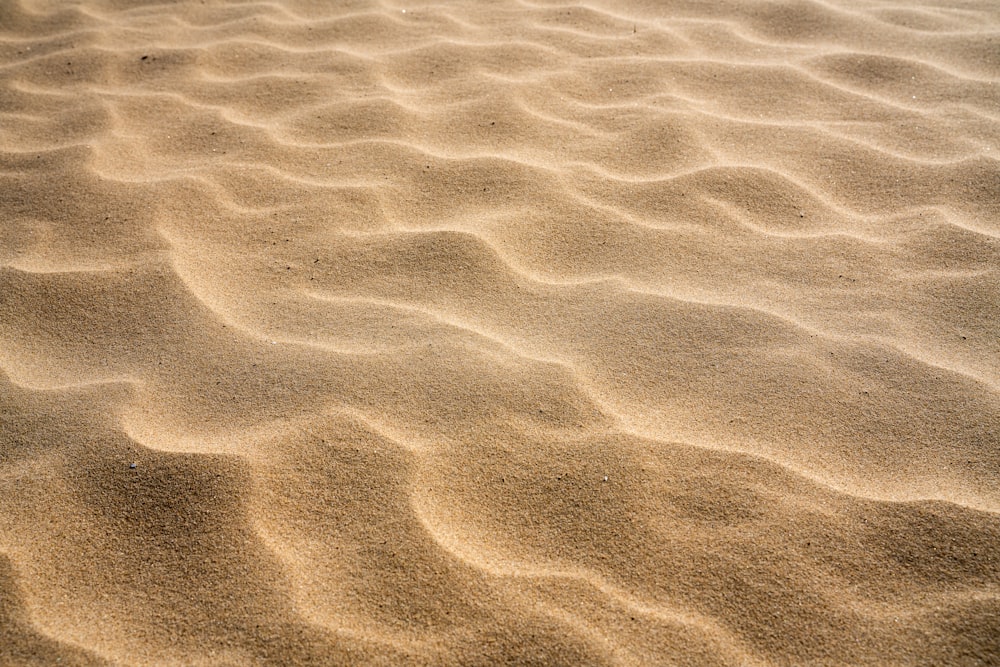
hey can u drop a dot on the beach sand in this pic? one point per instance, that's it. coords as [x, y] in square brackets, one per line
[476, 333]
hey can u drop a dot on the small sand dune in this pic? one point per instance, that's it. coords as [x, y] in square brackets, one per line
[477, 333]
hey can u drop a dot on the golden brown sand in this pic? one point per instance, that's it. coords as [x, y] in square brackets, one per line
[499, 332]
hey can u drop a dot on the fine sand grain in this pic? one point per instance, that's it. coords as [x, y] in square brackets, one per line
[475, 333]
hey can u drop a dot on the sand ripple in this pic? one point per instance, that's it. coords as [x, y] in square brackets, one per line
[509, 332]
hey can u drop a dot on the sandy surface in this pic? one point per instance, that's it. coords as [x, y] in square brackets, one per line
[502, 332]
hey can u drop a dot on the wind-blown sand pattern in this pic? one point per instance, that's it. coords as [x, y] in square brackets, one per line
[619, 333]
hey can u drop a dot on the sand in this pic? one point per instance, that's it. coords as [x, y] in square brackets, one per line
[476, 333]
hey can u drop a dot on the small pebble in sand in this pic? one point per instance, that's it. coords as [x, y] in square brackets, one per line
[134, 465]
